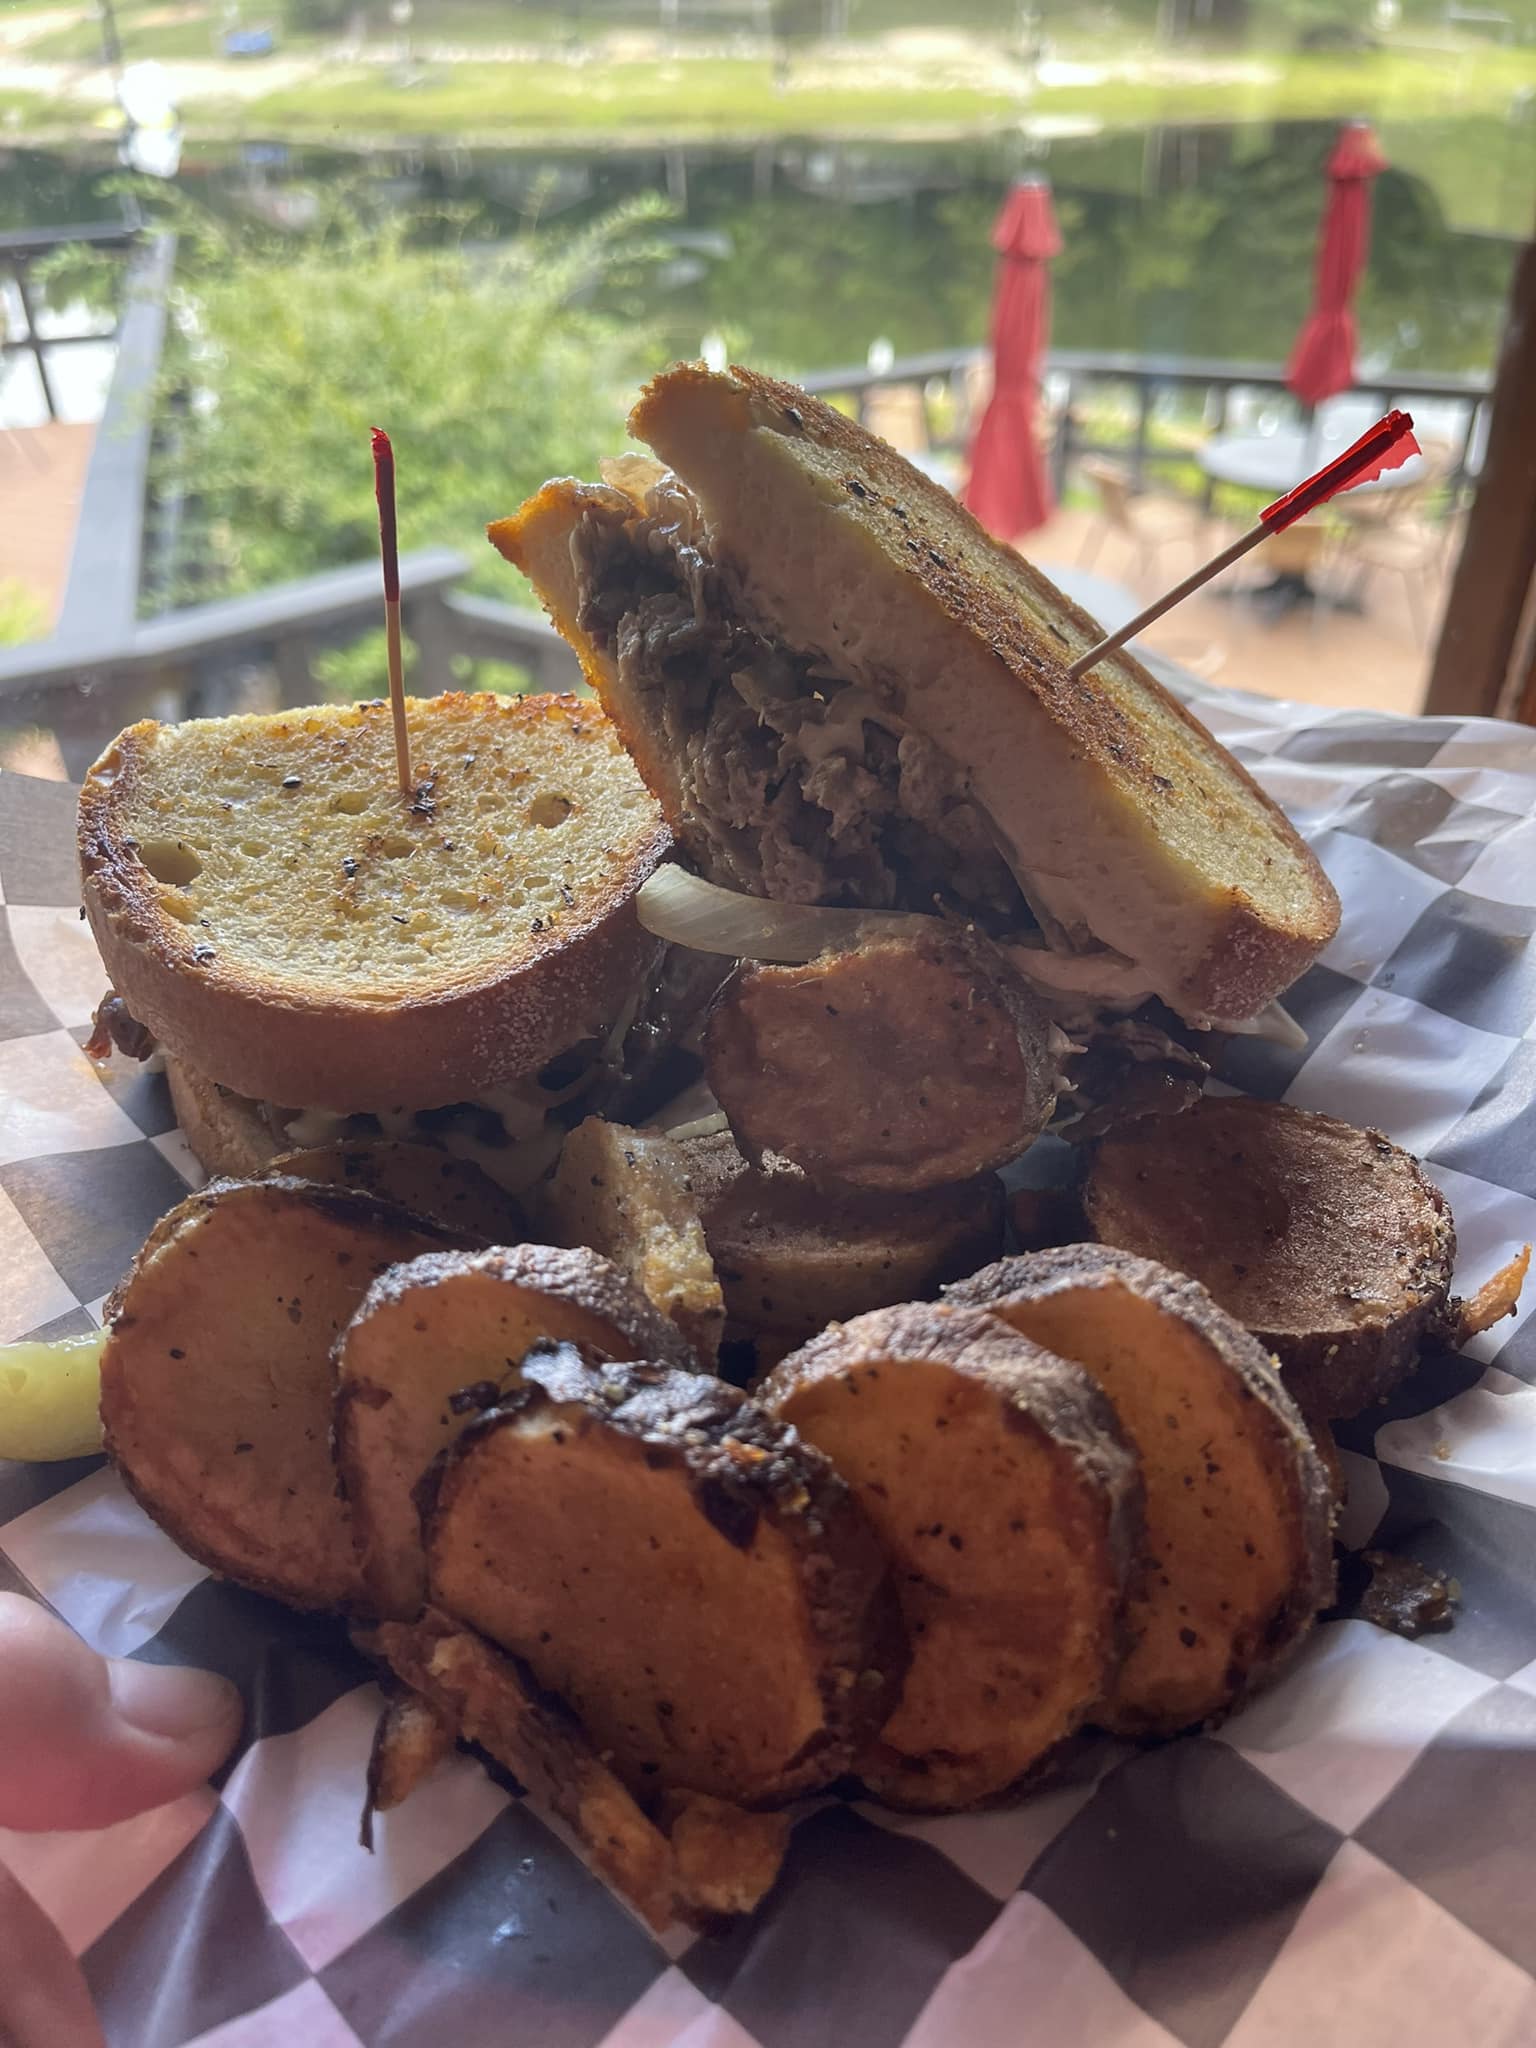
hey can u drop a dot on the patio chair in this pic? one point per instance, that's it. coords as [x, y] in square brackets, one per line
[1368, 511]
[1148, 521]
[1415, 548]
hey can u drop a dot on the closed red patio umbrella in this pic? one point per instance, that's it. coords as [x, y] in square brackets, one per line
[1323, 359]
[1008, 489]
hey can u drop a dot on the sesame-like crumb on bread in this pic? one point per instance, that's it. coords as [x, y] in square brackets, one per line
[285, 921]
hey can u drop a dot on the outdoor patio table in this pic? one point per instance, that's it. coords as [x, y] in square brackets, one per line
[1275, 464]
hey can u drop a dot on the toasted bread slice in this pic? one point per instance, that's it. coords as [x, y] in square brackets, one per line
[626, 1194]
[228, 1134]
[1329, 1243]
[1239, 1507]
[216, 1377]
[280, 918]
[420, 1178]
[793, 1257]
[1008, 1502]
[672, 1561]
[1120, 816]
[899, 1066]
[434, 1343]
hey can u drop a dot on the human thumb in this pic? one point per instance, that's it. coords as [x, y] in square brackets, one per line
[87, 1740]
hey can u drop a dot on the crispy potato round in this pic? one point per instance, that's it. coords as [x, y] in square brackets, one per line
[1329, 1243]
[1008, 1502]
[793, 1257]
[489, 1699]
[216, 1378]
[669, 1558]
[903, 1064]
[1239, 1507]
[421, 1178]
[434, 1343]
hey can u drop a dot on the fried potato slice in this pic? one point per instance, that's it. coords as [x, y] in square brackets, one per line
[409, 1743]
[997, 1479]
[490, 1699]
[667, 1557]
[1239, 1508]
[699, 1859]
[793, 1258]
[216, 1377]
[726, 1857]
[1498, 1297]
[421, 1178]
[627, 1194]
[903, 1064]
[435, 1342]
[1327, 1242]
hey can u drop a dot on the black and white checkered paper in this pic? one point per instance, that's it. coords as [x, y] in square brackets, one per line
[1351, 1860]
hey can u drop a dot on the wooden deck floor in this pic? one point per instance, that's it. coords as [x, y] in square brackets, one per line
[1373, 658]
[42, 470]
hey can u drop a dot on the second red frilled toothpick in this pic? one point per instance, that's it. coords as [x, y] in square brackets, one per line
[1388, 445]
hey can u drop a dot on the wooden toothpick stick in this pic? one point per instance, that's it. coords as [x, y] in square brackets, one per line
[1387, 446]
[389, 549]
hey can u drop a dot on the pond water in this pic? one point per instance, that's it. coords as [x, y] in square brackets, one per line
[1194, 241]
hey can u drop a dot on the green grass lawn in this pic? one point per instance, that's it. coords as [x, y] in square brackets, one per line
[704, 96]
[1399, 84]
[21, 113]
[725, 95]
[1453, 114]
[80, 42]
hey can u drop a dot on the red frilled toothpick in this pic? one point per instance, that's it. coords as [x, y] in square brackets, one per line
[389, 549]
[1388, 445]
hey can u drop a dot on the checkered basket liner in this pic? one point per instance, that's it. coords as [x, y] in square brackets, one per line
[1350, 1860]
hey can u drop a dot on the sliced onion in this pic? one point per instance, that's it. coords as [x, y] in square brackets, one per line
[1101, 976]
[632, 474]
[1274, 1023]
[687, 911]
[701, 1127]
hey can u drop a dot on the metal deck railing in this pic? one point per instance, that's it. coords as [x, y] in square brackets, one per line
[104, 666]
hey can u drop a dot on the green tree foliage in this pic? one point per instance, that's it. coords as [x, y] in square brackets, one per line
[491, 367]
[1222, 267]
[22, 617]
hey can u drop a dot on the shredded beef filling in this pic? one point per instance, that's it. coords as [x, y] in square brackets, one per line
[792, 787]
[114, 1028]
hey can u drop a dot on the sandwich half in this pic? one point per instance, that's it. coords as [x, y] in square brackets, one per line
[320, 957]
[843, 692]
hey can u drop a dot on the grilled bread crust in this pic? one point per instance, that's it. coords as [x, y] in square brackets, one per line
[227, 1132]
[308, 944]
[1123, 814]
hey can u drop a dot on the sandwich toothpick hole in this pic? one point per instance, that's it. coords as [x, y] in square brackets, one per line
[1388, 445]
[389, 550]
